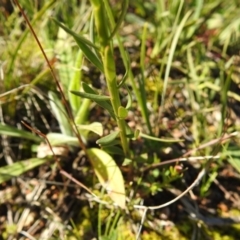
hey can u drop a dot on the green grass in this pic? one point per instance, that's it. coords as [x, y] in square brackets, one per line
[111, 91]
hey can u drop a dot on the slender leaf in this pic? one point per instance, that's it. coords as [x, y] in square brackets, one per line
[14, 132]
[235, 162]
[84, 45]
[171, 54]
[88, 89]
[60, 139]
[104, 104]
[60, 114]
[125, 4]
[66, 60]
[113, 150]
[115, 142]
[108, 139]
[159, 139]
[95, 127]
[93, 97]
[83, 112]
[73, 34]
[18, 168]
[75, 83]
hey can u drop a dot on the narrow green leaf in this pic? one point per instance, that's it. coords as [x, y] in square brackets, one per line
[115, 142]
[107, 105]
[108, 139]
[14, 132]
[232, 154]
[75, 83]
[56, 139]
[60, 114]
[159, 139]
[113, 150]
[121, 18]
[95, 127]
[171, 54]
[18, 168]
[93, 97]
[109, 175]
[88, 89]
[104, 104]
[73, 34]
[83, 111]
[66, 61]
[84, 45]
[235, 162]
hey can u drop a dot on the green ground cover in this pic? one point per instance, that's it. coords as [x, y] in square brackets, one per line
[119, 119]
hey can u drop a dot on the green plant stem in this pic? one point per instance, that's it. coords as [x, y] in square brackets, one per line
[110, 72]
[125, 58]
[109, 67]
